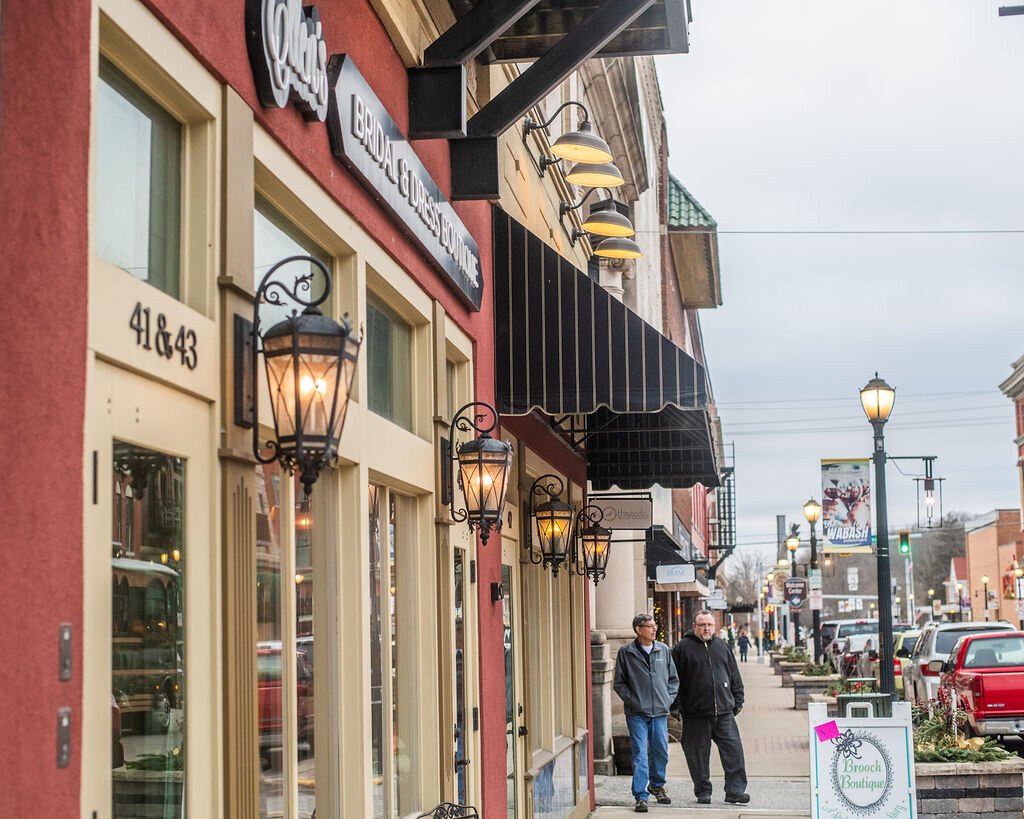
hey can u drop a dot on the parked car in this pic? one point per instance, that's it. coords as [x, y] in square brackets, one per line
[853, 648]
[920, 682]
[903, 644]
[984, 676]
[844, 629]
[268, 667]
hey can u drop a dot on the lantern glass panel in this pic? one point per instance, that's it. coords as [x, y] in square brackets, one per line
[483, 472]
[554, 527]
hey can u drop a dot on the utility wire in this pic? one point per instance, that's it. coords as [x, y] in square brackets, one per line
[900, 396]
[841, 232]
[852, 418]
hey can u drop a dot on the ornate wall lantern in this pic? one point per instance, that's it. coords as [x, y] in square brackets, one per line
[310, 363]
[484, 464]
[595, 542]
[554, 520]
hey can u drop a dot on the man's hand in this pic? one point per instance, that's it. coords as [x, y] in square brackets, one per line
[736, 711]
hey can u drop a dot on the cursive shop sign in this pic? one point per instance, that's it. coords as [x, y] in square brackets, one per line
[289, 59]
[288, 55]
[862, 767]
[366, 139]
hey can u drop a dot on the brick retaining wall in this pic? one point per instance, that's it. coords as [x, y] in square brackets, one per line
[970, 790]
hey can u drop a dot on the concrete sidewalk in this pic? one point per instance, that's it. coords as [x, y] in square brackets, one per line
[776, 750]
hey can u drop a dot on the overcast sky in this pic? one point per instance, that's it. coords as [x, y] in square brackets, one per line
[875, 116]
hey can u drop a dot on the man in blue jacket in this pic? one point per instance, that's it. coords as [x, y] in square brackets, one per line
[645, 679]
[710, 697]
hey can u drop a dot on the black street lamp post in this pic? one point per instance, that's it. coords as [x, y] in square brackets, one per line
[792, 544]
[812, 511]
[877, 398]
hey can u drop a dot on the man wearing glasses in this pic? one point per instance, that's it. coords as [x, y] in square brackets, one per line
[645, 679]
[710, 697]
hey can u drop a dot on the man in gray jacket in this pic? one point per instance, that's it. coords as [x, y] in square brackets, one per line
[646, 680]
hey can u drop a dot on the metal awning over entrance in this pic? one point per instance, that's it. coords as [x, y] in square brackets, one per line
[621, 391]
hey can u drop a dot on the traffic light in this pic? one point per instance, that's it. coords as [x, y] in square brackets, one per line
[904, 542]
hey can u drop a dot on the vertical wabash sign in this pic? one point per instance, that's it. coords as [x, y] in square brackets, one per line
[846, 505]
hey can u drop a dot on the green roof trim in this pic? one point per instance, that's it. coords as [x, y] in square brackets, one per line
[684, 211]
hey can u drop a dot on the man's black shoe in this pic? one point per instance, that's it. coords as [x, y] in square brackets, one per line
[737, 798]
[659, 794]
[704, 799]
[641, 806]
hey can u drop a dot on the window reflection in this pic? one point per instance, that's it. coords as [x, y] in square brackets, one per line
[304, 666]
[268, 635]
[147, 634]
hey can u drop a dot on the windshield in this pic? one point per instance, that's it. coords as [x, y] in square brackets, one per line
[846, 629]
[1000, 651]
[910, 642]
[945, 640]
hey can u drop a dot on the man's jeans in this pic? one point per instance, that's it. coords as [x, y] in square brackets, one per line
[698, 732]
[648, 735]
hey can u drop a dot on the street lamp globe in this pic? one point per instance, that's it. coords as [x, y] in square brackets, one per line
[770, 576]
[783, 563]
[931, 593]
[984, 579]
[812, 511]
[792, 543]
[877, 398]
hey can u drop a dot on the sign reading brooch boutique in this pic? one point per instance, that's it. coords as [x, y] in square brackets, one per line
[365, 138]
[862, 767]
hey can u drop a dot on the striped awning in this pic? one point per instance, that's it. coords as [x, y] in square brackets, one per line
[566, 347]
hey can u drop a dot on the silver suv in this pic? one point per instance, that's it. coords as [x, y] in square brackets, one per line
[935, 643]
[833, 650]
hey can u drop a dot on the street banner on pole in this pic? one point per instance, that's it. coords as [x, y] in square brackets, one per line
[846, 505]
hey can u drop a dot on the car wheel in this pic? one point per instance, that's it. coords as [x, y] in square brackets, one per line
[158, 720]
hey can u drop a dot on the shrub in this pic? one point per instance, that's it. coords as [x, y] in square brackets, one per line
[939, 732]
[816, 670]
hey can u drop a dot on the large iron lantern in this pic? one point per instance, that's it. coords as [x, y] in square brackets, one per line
[554, 521]
[483, 467]
[595, 542]
[310, 364]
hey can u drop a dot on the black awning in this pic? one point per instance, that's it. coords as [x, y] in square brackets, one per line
[661, 549]
[565, 346]
[672, 447]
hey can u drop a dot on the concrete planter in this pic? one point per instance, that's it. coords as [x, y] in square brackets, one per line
[790, 670]
[948, 790]
[829, 702]
[805, 686]
[774, 658]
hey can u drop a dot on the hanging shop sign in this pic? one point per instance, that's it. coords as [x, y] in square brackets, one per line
[620, 512]
[846, 505]
[862, 767]
[289, 61]
[288, 55]
[668, 573]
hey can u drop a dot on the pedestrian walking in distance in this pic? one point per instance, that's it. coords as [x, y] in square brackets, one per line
[710, 697]
[645, 679]
[744, 644]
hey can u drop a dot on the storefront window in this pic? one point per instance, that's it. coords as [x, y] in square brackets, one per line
[138, 182]
[148, 641]
[391, 695]
[389, 364]
[274, 239]
[304, 665]
[269, 634]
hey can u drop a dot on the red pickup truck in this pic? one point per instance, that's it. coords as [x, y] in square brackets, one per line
[984, 676]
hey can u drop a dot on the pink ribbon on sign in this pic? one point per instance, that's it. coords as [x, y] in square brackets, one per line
[827, 731]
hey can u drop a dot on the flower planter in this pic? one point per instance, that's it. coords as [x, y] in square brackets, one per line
[946, 789]
[790, 670]
[145, 794]
[804, 686]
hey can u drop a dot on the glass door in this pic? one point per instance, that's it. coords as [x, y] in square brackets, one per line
[149, 737]
[515, 728]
